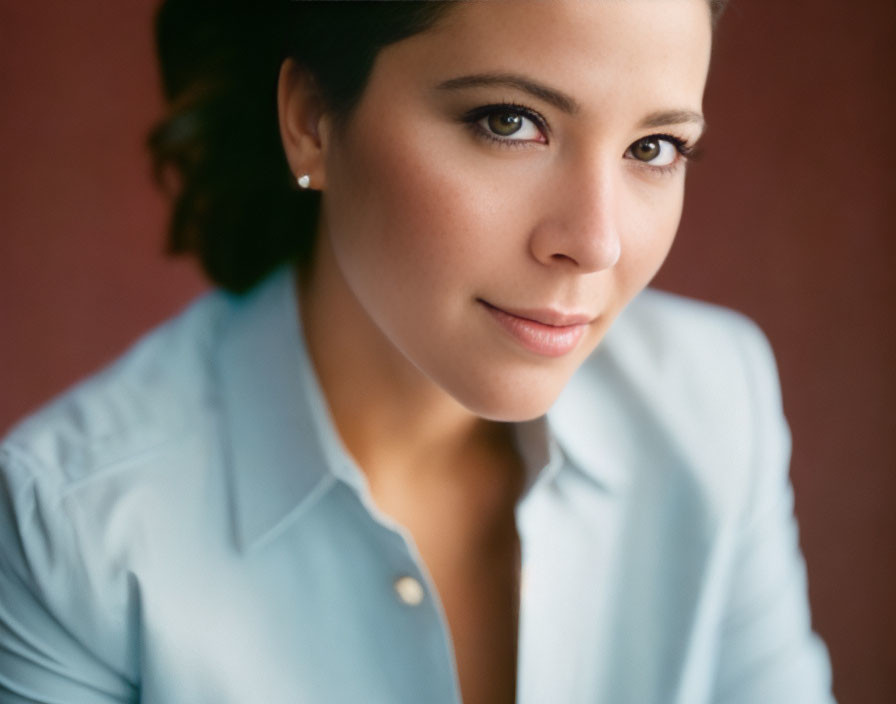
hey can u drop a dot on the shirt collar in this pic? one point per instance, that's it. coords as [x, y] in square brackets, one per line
[577, 434]
[278, 456]
[284, 451]
[591, 433]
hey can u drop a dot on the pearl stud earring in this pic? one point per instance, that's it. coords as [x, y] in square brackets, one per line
[304, 181]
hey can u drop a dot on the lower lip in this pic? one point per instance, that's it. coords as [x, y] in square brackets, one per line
[544, 340]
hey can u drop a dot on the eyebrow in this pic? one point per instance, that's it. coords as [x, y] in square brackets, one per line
[562, 101]
[511, 80]
[663, 118]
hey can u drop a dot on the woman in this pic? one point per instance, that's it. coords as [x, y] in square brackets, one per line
[390, 466]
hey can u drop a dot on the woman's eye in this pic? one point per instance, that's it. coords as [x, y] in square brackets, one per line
[511, 126]
[657, 151]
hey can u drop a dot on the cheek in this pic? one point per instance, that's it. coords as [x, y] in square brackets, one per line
[413, 206]
[655, 215]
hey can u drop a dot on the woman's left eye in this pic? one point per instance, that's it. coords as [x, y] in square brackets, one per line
[658, 150]
[504, 124]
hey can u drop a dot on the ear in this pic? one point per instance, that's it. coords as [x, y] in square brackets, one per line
[303, 123]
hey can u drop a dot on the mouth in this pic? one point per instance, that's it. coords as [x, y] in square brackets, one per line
[546, 332]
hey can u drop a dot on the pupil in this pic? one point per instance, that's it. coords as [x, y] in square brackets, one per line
[647, 149]
[505, 123]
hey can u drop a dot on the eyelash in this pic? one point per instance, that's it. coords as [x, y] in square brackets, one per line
[686, 151]
[473, 117]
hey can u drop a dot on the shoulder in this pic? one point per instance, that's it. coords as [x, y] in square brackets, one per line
[85, 479]
[679, 391]
[680, 346]
[131, 419]
[143, 399]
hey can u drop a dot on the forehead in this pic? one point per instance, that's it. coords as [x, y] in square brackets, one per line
[655, 50]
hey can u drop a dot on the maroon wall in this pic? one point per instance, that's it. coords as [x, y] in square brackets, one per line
[790, 219]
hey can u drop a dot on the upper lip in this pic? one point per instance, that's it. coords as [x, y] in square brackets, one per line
[545, 316]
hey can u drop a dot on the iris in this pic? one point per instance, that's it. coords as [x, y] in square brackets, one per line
[646, 149]
[505, 123]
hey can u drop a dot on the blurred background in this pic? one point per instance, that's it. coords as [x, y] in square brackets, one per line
[791, 219]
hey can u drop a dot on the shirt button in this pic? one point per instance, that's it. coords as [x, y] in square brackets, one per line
[409, 590]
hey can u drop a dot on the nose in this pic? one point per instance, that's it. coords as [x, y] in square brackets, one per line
[579, 224]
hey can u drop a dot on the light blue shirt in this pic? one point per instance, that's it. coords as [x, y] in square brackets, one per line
[186, 528]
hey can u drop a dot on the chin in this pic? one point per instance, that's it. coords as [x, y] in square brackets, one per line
[512, 399]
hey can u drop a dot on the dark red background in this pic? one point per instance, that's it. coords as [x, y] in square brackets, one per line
[790, 219]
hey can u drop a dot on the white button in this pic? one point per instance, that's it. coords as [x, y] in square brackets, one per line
[409, 590]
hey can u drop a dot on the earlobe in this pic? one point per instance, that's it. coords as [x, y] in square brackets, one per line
[301, 117]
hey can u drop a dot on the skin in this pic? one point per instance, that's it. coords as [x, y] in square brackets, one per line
[424, 220]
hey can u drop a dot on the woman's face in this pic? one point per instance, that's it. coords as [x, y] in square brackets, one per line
[510, 179]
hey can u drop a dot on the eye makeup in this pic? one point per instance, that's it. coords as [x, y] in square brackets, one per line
[685, 151]
[474, 118]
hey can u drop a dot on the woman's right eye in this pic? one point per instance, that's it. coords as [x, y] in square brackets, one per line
[508, 124]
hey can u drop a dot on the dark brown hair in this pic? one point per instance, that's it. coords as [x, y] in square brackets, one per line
[217, 151]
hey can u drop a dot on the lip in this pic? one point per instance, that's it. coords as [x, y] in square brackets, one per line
[544, 331]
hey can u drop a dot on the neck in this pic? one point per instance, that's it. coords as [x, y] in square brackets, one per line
[390, 416]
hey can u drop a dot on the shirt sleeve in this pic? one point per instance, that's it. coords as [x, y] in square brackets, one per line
[768, 652]
[55, 642]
